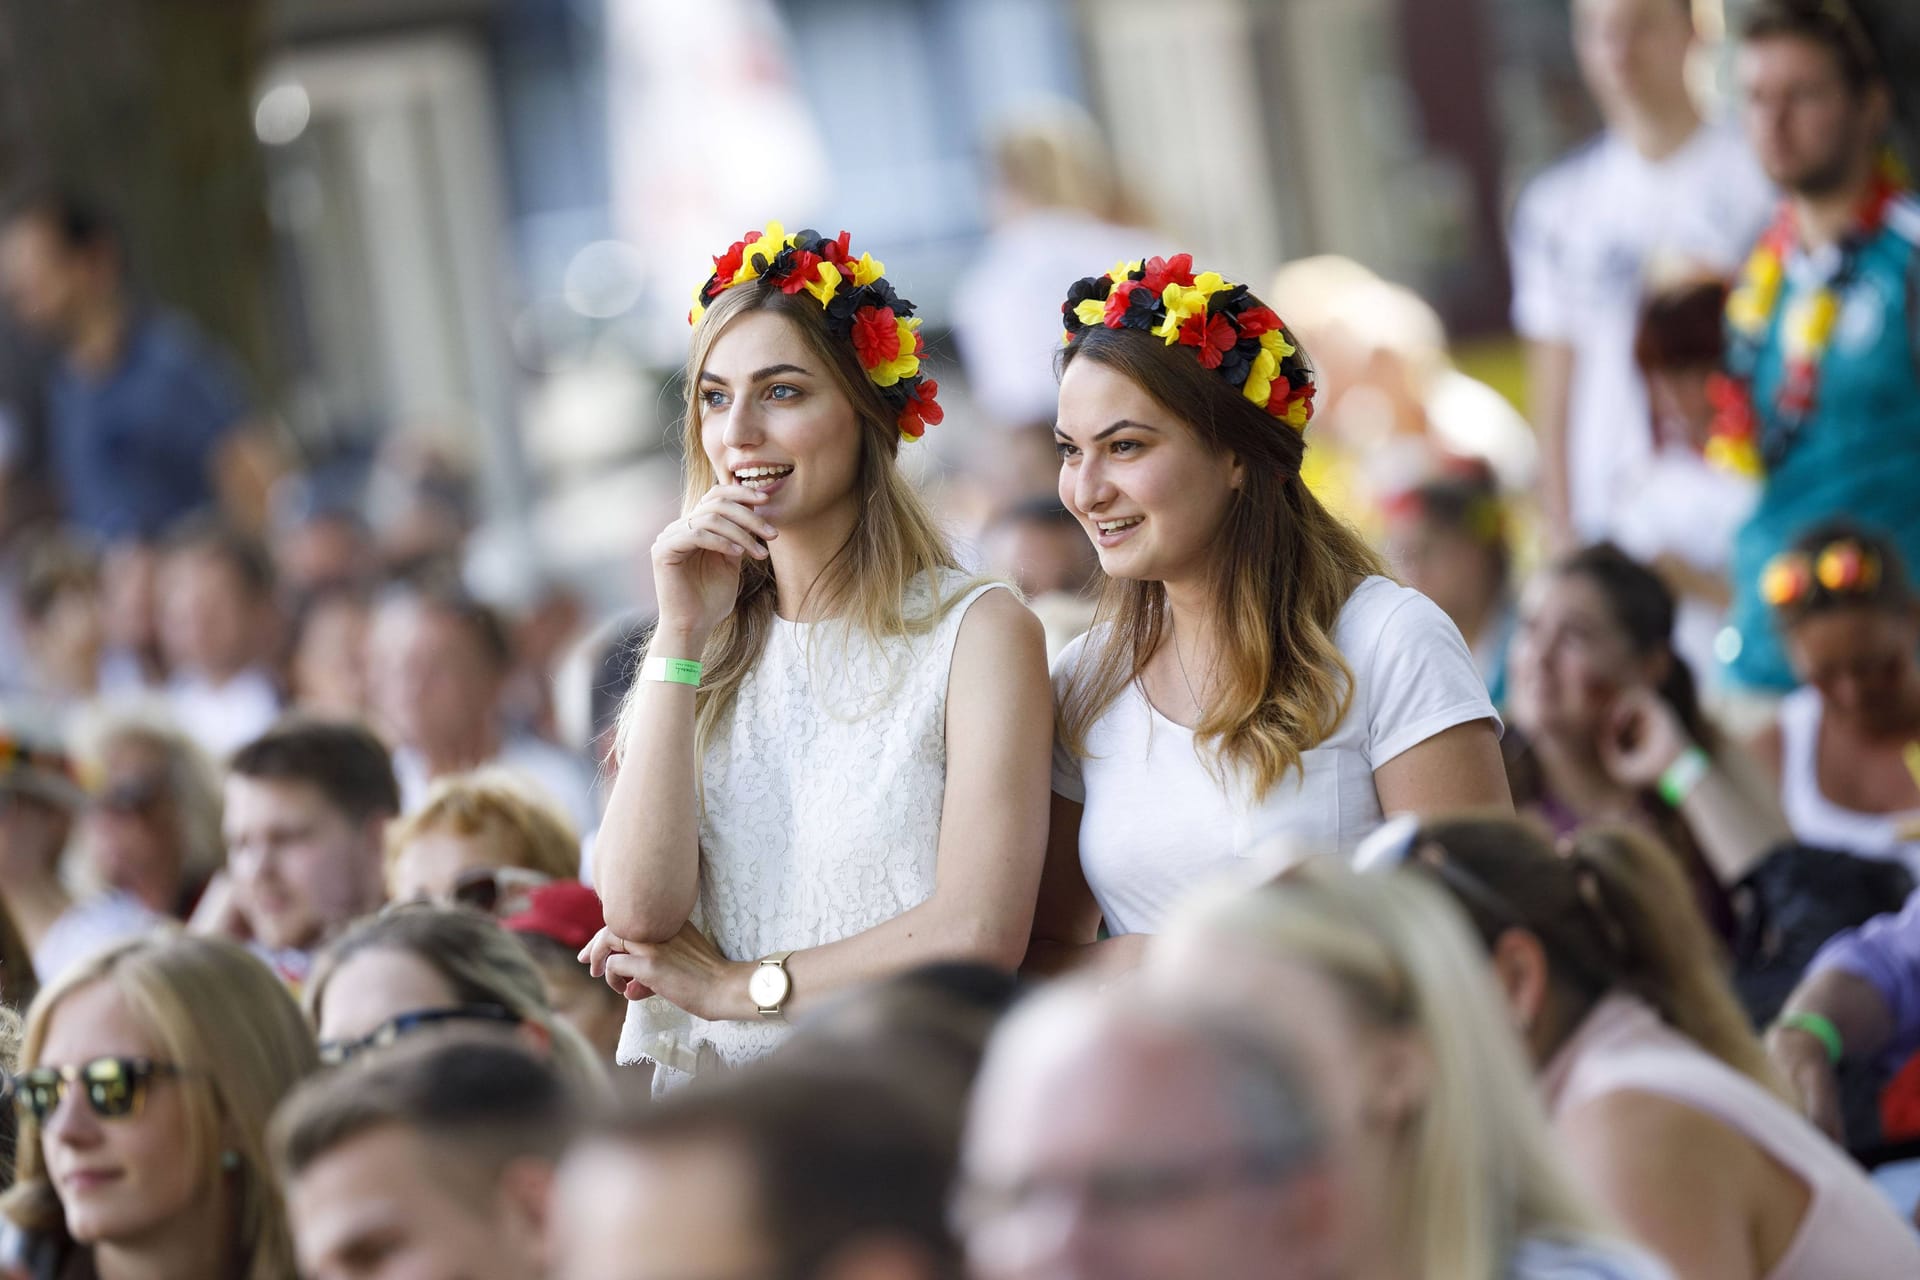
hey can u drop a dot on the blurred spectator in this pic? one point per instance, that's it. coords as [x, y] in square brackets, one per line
[40, 796]
[1677, 512]
[151, 1071]
[1824, 325]
[1392, 409]
[1058, 213]
[1447, 539]
[1111, 1139]
[60, 615]
[1039, 547]
[1415, 1066]
[1842, 751]
[147, 421]
[593, 681]
[542, 635]
[770, 1172]
[217, 632]
[320, 540]
[1659, 187]
[440, 665]
[153, 829]
[421, 970]
[307, 805]
[1659, 1093]
[328, 665]
[1606, 726]
[471, 824]
[556, 924]
[421, 503]
[434, 1160]
[128, 582]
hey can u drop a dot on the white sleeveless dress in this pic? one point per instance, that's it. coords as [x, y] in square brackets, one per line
[821, 816]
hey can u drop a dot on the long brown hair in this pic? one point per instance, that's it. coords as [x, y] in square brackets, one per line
[894, 542]
[1282, 569]
[1614, 912]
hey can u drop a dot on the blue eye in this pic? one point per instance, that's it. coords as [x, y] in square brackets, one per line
[712, 399]
[777, 389]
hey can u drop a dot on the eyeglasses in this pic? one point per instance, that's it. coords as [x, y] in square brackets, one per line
[114, 1086]
[1842, 568]
[496, 890]
[1120, 1190]
[335, 1052]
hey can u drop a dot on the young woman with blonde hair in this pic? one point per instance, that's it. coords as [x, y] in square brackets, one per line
[834, 764]
[1660, 1094]
[1252, 671]
[150, 1072]
[474, 823]
[1382, 994]
[417, 968]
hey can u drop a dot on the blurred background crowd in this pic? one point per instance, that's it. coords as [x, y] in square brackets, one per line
[338, 359]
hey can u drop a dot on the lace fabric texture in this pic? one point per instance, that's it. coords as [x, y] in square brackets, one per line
[822, 811]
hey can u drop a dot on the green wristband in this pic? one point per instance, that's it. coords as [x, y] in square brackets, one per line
[1683, 775]
[671, 670]
[1821, 1028]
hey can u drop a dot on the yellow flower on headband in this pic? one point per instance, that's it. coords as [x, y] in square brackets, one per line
[1259, 384]
[827, 280]
[1183, 301]
[1275, 341]
[867, 270]
[904, 365]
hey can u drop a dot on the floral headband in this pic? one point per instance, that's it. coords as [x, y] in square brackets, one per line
[1842, 567]
[1230, 331]
[861, 308]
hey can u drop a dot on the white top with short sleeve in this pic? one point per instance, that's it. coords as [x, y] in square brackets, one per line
[1156, 821]
[1590, 234]
[821, 814]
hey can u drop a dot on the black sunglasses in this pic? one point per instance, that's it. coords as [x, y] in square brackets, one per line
[114, 1086]
[335, 1052]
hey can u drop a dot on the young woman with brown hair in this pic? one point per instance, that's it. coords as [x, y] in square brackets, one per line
[1658, 1090]
[1251, 672]
[833, 766]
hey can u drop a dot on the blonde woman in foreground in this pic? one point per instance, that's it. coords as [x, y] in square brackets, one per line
[1252, 672]
[1660, 1093]
[150, 1072]
[1378, 986]
[833, 766]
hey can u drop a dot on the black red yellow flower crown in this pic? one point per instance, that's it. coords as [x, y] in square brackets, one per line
[1230, 331]
[861, 308]
[1842, 568]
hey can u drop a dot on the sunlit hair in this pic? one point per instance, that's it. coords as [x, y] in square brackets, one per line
[192, 781]
[1476, 1171]
[1614, 912]
[492, 802]
[893, 543]
[481, 963]
[1281, 570]
[219, 1014]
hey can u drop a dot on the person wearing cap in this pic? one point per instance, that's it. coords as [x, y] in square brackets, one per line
[558, 920]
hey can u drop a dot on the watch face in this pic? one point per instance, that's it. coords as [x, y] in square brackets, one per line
[769, 985]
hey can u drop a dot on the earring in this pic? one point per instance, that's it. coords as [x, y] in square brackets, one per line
[229, 1160]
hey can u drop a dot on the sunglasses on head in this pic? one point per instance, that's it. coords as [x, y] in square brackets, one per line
[496, 891]
[1842, 567]
[335, 1052]
[113, 1086]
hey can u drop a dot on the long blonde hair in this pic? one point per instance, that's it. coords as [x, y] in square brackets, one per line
[1477, 1170]
[480, 962]
[894, 542]
[222, 1016]
[1613, 911]
[1282, 569]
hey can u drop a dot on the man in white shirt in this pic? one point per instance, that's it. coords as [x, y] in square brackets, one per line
[1660, 189]
[216, 613]
[440, 663]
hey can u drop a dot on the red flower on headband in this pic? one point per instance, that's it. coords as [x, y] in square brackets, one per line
[805, 266]
[838, 251]
[727, 265]
[1213, 335]
[921, 410]
[876, 336]
[1161, 272]
[1255, 321]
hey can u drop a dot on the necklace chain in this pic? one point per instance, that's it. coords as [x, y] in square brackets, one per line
[1173, 634]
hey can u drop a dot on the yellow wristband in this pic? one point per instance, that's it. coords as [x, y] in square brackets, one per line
[671, 670]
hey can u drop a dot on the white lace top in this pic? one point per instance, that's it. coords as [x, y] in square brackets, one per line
[822, 811]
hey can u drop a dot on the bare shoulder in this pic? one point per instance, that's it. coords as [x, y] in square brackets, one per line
[997, 622]
[1634, 1134]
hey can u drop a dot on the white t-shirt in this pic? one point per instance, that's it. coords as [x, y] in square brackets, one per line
[1156, 822]
[1589, 234]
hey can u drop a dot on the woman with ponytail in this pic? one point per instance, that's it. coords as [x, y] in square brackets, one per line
[1660, 1094]
[1251, 671]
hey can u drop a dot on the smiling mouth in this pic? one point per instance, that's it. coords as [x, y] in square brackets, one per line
[1107, 527]
[761, 477]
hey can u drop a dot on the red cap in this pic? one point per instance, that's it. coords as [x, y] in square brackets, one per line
[565, 910]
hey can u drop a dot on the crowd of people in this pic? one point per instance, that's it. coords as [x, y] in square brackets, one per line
[1215, 867]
